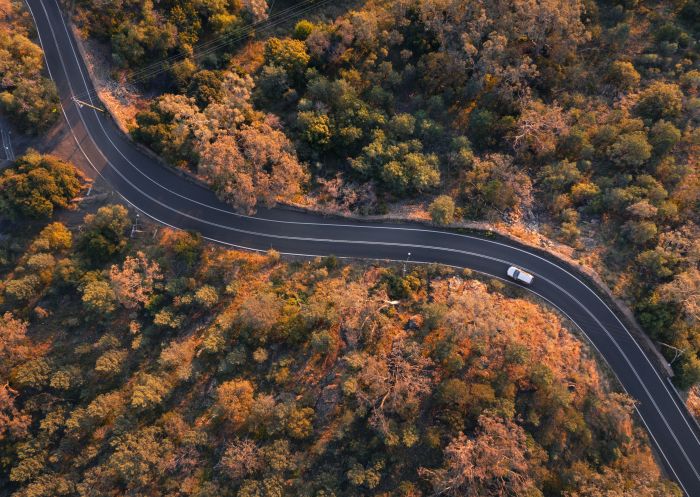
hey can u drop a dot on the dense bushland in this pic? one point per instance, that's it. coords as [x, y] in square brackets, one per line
[167, 367]
[557, 112]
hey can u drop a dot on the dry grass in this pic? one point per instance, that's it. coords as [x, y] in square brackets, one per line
[122, 100]
[6, 6]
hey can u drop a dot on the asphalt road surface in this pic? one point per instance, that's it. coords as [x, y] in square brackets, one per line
[172, 200]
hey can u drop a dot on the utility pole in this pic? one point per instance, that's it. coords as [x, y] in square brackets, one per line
[80, 104]
[406, 262]
[678, 352]
[135, 228]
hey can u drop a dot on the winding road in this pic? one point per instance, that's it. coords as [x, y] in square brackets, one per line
[172, 200]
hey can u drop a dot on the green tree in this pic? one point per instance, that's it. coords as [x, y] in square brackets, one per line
[664, 136]
[487, 130]
[442, 210]
[33, 105]
[205, 87]
[414, 171]
[623, 75]
[149, 392]
[316, 130]
[111, 362]
[660, 101]
[99, 298]
[53, 237]
[641, 232]
[137, 460]
[30, 99]
[207, 296]
[289, 54]
[303, 29]
[34, 373]
[631, 150]
[37, 184]
[104, 235]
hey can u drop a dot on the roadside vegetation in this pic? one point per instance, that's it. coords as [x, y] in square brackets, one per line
[576, 116]
[27, 96]
[166, 366]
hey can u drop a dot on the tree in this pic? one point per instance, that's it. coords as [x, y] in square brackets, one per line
[539, 127]
[34, 373]
[241, 459]
[623, 75]
[258, 164]
[99, 298]
[487, 130]
[149, 392]
[442, 210]
[111, 362]
[640, 232]
[631, 150]
[29, 99]
[104, 234]
[497, 462]
[205, 87]
[487, 38]
[33, 105]
[300, 422]
[137, 460]
[634, 474]
[185, 246]
[269, 487]
[15, 346]
[235, 401]
[684, 290]
[394, 384]
[53, 237]
[133, 284]
[257, 9]
[289, 54]
[231, 109]
[494, 184]
[14, 424]
[148, 36]
[178, 357]
[23, 289]
[660, 101]
[175, 128]
[316, 129]
[664, 136]
[303, 29]
[207, 296]
[37, 184]
[415, 171]
[399, 163]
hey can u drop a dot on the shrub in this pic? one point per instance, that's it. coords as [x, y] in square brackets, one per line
[442, 210]
[303, 29]
[623, 75]
[37, 184]
[664, 136]
[104, 235]
[99, 298]
[630, 150]
[660, 101]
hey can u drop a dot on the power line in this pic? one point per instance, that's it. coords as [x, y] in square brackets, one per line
[222, 38]
[158, 67]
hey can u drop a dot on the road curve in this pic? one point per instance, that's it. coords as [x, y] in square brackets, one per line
[170, 199]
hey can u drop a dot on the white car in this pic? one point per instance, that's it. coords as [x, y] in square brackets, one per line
[519, 275]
